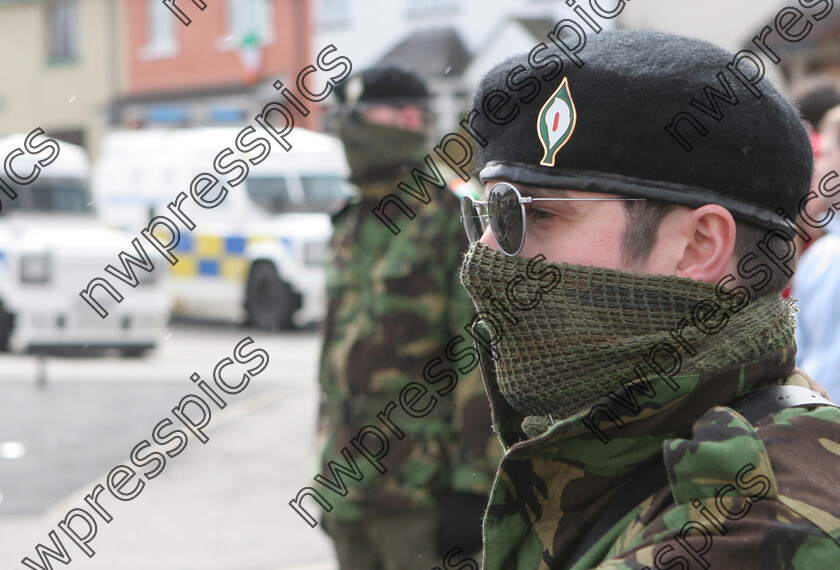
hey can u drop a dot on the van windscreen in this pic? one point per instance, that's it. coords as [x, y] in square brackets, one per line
[323, 193]
[50, 195]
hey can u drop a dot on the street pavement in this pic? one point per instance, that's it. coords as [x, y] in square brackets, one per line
[220, 505]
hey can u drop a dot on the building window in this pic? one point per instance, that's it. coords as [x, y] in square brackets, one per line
[161, 40]
[251, 20]
[333, 13]
[62, 31]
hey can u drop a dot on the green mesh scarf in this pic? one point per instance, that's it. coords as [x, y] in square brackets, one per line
[375, 153]
[567, 335]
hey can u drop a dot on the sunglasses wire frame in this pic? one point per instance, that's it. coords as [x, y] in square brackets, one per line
[475, 223]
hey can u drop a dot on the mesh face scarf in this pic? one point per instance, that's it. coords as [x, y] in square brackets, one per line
[564, 336]
[376, 152]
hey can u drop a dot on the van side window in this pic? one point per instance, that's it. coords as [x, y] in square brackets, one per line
[270, 194]
[320, 194]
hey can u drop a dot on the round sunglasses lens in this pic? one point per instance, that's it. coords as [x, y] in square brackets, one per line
[506, 218]
[471, 219]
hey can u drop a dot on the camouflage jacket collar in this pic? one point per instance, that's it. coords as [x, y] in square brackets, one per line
[551, 488]
[626, 428]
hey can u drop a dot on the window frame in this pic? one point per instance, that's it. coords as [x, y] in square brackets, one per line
[62, 26]
[334, 19]
[158, 46]
[265, 22]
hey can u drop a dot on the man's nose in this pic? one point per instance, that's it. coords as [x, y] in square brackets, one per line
[488, 239]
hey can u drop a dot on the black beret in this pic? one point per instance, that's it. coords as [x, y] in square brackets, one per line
[388, 85]
[602, 127]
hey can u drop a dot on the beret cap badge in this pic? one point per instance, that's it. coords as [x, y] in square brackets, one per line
[556, 122]
[354, 89]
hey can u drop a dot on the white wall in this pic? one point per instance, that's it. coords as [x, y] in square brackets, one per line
[374, 27]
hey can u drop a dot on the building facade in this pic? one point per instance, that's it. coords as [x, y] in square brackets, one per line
[219, 69]
[62, 64]
[77, 68]
[486, 31]
[436, 39]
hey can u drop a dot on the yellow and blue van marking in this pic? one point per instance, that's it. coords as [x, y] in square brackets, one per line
[213, 256]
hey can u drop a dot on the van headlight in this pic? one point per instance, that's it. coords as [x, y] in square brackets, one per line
[35, 268]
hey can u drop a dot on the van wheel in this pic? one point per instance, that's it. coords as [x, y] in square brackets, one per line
[269, 301]
[134, 351]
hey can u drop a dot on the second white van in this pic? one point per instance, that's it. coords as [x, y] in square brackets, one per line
[257, 256]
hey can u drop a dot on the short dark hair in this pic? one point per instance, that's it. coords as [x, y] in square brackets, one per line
[816, 95]
[645, 217]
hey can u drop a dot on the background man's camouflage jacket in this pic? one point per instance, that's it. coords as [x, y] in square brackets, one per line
[762, 497]
[394, 303]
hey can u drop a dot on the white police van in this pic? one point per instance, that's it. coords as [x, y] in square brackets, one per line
[50, 241]
[256, 257]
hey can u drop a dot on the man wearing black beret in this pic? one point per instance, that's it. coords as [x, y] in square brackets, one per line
[627, 261]
[407, 457]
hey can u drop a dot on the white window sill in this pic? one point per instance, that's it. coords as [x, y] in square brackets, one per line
[159, 51]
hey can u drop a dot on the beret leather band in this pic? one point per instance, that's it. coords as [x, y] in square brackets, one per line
[605, 183]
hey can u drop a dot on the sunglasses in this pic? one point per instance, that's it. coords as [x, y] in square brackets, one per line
[506, 213]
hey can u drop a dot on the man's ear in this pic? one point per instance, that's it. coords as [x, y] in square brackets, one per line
[707, 243]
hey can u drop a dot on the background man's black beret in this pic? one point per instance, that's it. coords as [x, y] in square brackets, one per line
[754, 159]
[386, 85]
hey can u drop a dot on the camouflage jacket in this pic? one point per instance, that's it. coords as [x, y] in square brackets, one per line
[739, 496]
[396, 315]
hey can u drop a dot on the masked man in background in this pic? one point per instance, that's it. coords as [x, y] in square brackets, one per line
[641, 293]
[395, 303]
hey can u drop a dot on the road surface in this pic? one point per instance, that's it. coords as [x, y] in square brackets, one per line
[66, 422]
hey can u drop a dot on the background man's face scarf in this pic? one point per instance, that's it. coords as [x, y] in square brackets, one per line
[377, 152]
